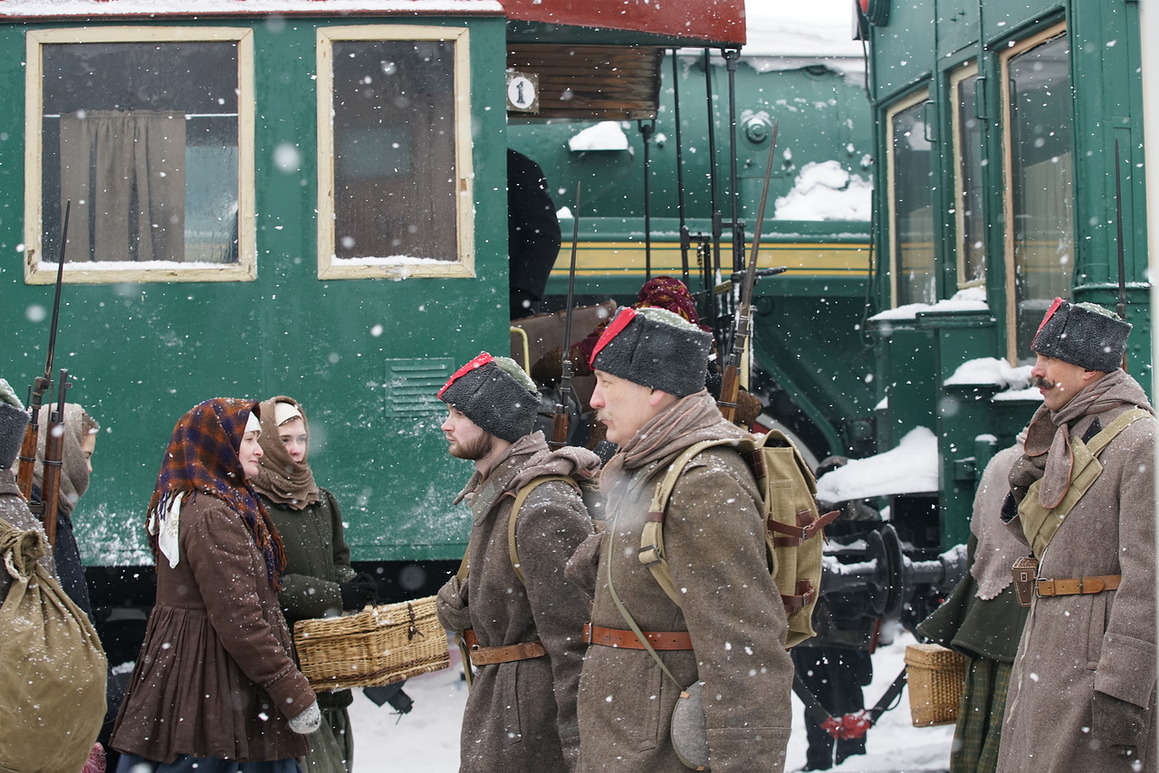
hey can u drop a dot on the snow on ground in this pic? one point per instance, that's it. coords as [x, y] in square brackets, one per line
[429, 734]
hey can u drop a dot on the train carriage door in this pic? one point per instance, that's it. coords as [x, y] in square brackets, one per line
[1038, 175]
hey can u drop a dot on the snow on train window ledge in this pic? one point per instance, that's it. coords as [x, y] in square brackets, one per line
[158, 179]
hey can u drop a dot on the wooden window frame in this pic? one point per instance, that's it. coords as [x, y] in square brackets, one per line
[330, 267]
[900, 106]
[963, 72]
[37, 273]
[1004, 59]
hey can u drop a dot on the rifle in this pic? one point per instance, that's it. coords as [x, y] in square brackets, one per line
[559, 421]
[730, 379]
[1122, 305]
[42, 384]
[53, 462]
[848, 726]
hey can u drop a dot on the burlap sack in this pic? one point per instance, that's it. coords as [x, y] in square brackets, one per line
[52, 685]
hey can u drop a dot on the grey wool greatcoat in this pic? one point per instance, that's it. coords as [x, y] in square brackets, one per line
[214, 677]
[520, 716]
[715, 545]
[1084, 679]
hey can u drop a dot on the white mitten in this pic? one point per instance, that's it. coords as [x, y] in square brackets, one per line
[308, 721]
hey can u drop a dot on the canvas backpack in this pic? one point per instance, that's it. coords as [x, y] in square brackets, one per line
[52, 686]
[794, 526]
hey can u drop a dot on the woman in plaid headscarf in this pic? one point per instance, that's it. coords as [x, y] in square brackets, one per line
[215, 688]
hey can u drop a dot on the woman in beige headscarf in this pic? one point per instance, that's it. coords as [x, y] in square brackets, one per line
[80, 440]
[319, 581]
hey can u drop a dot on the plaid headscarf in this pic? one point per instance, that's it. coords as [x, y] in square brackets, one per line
[202, 459]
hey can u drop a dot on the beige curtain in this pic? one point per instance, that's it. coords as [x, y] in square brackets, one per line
[125, 175]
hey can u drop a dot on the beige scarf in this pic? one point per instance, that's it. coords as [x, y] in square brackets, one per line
[74, 469]
[1048, 452]
[281, 479]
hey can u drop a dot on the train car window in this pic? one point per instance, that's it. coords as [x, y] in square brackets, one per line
[144, 136]
[968, 216]
[394, 152]
[1039, 194]
[911, 188]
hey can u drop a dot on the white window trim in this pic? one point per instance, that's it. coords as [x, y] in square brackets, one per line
[329, 267]
[153, 271]
[891, 190]
[960, 249]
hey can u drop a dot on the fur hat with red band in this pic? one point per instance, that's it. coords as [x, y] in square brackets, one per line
[1083, 334]
[496, 394]
[655, 348]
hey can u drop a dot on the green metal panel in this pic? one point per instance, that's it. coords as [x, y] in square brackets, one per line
[903, 49]
[145, 353]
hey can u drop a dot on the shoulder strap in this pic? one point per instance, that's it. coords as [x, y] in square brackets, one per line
[652, 537]
[520, 498]
[1112, 430]
[1039, 523]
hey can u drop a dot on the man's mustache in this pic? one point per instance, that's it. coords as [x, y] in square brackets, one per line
[1039, 382]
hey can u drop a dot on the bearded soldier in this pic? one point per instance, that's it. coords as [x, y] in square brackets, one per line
[520, 618]
[1082, 691]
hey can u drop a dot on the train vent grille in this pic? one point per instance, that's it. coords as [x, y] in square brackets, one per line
[411, 385]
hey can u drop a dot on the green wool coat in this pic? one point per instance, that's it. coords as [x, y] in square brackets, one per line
[317, 561]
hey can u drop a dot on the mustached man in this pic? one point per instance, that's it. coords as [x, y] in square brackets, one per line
[1082, 690]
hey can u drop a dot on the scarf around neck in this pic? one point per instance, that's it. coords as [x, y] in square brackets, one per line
[74, 468]
[1048, 455]
[689, 420]
[202, 459]
[281, 479]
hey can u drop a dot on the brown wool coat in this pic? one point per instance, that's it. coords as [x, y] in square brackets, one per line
[520, 716]
[1086, 663]
[214, 677]
[714, 540]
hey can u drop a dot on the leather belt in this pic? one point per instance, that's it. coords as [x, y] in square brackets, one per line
[486, 656]
[618, 637]
[1074, 586]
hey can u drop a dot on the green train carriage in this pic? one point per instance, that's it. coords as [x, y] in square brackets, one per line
[317, 211]
[1009, 157]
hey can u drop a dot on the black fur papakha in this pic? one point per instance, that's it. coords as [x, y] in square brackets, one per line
[1082, 334]
[488, 391]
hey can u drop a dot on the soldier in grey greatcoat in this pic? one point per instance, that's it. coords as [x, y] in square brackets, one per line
[520, 618]
[729, 630]
[1082, 691]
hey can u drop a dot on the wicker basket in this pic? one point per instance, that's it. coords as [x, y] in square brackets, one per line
[377, 646]
[935, 678]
